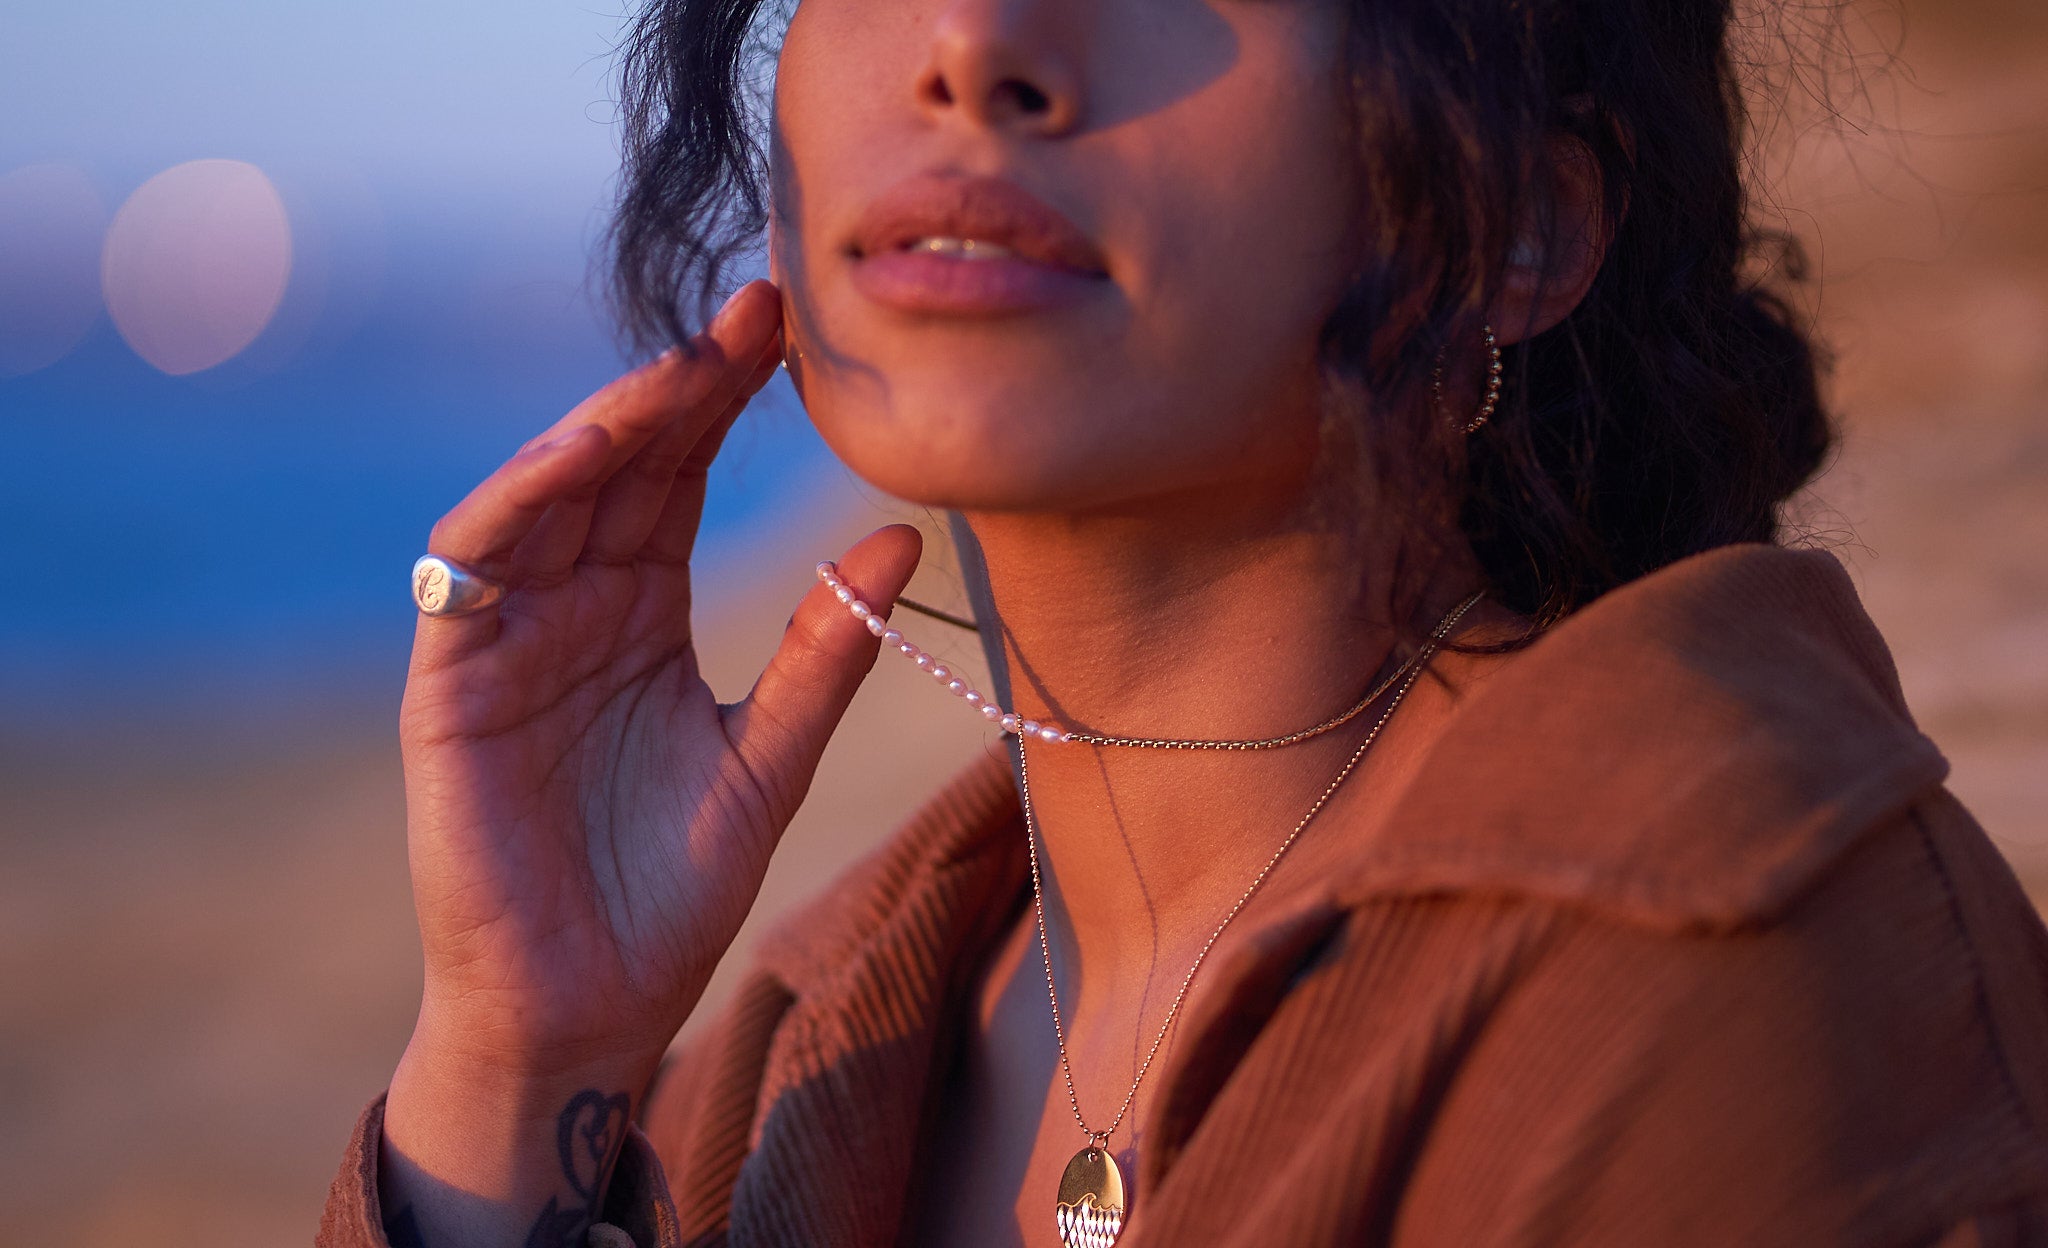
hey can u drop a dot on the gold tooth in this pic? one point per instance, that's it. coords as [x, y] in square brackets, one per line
[932, 243]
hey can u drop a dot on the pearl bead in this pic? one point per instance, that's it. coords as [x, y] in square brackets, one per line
[828, 572]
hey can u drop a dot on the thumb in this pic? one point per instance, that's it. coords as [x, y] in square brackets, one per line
[780, 730]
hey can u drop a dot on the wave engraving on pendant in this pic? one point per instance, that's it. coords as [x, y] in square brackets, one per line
[1085, 1226]
[1091, 1204]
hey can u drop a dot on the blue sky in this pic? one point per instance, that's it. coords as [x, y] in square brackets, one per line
[422, 95]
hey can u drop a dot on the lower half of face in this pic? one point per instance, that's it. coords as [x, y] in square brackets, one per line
[1208, 167]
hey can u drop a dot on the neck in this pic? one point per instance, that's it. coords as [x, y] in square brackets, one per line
[1180, 624]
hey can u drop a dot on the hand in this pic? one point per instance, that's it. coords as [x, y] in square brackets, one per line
[588, 826]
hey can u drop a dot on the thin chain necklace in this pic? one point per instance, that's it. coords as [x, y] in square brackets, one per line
[1017, 725]
[1266, 743]
[1092, 1206]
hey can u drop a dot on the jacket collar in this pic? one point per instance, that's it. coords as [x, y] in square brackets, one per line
[1686, 752]
[960, 855]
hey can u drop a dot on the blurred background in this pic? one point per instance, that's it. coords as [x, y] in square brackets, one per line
[279, 282]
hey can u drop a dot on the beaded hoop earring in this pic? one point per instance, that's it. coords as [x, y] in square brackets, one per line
[1493, 379]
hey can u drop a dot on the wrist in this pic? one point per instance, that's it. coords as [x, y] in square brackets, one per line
[518, 1045]
[496, 1080]
[475, 1153]
[506, 1089]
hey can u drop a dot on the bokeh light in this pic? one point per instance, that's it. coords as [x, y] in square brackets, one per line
[196, 264]
[52, 222]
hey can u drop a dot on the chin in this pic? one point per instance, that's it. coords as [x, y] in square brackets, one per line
[1007, 439]
[965, 456]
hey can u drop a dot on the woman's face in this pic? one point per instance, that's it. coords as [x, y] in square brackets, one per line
[1164, 346]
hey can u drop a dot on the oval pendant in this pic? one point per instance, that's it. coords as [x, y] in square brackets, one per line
[1091, 1208]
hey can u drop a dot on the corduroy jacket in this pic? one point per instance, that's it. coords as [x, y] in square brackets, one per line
[1674, 938]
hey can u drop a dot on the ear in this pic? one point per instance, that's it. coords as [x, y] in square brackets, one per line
[778, 272]
[775, 267]
[1561, 242]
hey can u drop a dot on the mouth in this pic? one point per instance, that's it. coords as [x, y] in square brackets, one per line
[971, 246]
[958, 248]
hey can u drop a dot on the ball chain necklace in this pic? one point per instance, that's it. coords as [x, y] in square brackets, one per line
[1091, 1209]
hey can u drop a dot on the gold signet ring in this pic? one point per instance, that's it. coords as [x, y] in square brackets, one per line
[444, 587]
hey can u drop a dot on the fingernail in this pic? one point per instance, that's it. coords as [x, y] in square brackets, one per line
[561, 439]
[724, 310]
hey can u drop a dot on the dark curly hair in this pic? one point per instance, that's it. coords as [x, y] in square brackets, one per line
[1675, 410]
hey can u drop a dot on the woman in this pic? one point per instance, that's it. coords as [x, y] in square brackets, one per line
[1269, 353]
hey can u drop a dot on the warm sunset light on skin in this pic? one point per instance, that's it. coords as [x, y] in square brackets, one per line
[1581, 951]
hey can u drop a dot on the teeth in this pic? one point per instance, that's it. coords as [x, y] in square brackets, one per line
[960, 248]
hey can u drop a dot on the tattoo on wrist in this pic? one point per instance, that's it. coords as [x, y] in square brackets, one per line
[588, 1135]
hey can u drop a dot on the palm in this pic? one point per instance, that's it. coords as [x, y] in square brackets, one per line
[556, 854]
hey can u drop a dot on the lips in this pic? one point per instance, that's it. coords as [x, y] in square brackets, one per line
[987, 210]
[1009, 255]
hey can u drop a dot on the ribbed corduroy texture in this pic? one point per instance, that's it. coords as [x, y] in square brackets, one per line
[1675, 939]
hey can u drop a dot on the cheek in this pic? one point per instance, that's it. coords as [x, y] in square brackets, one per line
[831, 117]
[1250, 256]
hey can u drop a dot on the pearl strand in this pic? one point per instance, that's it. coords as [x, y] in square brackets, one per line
[1008, 721]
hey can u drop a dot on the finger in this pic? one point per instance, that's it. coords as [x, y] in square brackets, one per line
[629, 411]
[664, 559]
[673, 534]
[780, 731]
[482, 529]
[706, 450]
[523, 491]
[630, 504]
[548, 553]
[642, 403]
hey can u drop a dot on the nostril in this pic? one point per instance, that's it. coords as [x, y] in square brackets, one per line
[1029, 98]
[988, 97]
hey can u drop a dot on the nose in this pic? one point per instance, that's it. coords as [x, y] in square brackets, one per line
[1005, 65]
